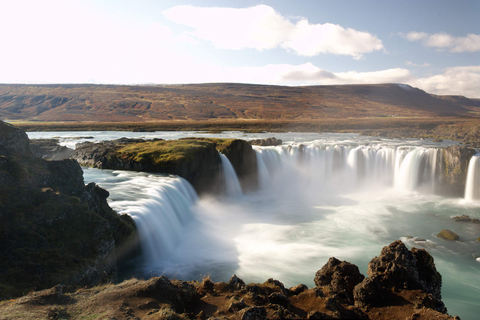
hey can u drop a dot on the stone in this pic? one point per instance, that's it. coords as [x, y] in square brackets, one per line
[341, 276]
[448, 235]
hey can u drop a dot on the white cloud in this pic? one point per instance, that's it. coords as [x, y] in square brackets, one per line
[310, 74]
[261, 27]
[454, 81]
[413, 64]
[468, 43]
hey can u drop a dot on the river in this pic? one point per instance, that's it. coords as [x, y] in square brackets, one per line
[346, 196]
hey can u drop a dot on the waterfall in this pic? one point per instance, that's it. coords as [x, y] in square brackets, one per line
[161, 213]
[350, 166]
[472, 186]
[232, 185]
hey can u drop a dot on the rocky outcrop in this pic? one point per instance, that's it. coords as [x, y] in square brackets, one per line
[195, 160]
[402, 284]
[266, 142]
[394, 272]
[454, 167]
[448, 235]
[49, 149]
[53, 228]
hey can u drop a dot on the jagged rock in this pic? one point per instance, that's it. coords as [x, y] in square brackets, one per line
[448, 235]
[236, 283]
[341, 276]
[397, 268]
[298, 289]
[253, 313]
[266, 142]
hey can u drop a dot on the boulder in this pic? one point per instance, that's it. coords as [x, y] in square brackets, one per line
[396, 269]
[341, 276]
[448, 235]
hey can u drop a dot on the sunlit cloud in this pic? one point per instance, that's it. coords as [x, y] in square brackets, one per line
[468, 43]
[262, 28]
[308, 73]
[454, 81]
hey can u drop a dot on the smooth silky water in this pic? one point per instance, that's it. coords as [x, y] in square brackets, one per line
[338, 195]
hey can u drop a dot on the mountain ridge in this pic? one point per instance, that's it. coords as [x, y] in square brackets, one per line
[226, 101]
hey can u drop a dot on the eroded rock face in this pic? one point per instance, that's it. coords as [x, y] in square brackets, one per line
[53, 228]
[454, 167]
[49, 149]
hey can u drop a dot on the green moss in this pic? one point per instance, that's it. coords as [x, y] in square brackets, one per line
[162, 152]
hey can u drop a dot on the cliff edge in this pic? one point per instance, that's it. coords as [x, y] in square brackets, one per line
[53, 228]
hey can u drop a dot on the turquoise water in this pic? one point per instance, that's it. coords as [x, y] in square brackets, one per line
[302, 217]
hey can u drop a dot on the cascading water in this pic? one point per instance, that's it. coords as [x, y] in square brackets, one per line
[472, 186]
[232, 185]
[160, 205]
[352, 166]
[323, 196]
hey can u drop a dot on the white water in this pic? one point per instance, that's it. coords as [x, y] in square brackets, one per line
[472, 188]
[338, 195]
[231, 183]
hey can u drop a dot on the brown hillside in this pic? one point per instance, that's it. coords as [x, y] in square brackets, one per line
[223, 101]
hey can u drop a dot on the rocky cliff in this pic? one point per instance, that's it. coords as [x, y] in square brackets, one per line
[53, 228]
[401, 284]
[194, 159]
[453, 170]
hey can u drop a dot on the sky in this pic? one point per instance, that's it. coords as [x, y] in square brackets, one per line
[430, 44]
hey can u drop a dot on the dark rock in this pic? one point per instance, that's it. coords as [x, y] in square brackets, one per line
[341, 276]
[397, 268]
[298, 289]
[244, 160]
[253, 313]
[49, 149]
[465, 218]
[53, 228]
[279, 298]
[448, 235]
[453, 170]
[266, 142]
[13, 140]
[236, 283]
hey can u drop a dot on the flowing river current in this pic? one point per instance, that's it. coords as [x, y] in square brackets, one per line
[320, 195]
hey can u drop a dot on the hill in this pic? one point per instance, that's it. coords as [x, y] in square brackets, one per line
[225, 101]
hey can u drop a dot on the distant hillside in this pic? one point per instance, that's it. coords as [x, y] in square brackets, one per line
[224, 101]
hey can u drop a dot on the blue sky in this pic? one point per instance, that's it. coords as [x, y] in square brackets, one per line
[430, 44]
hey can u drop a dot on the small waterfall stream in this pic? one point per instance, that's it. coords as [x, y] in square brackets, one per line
[472, 186]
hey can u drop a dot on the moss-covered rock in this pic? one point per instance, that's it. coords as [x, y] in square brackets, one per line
[448, 235]
[195, 159]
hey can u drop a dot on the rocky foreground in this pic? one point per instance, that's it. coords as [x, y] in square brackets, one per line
[401, 284]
